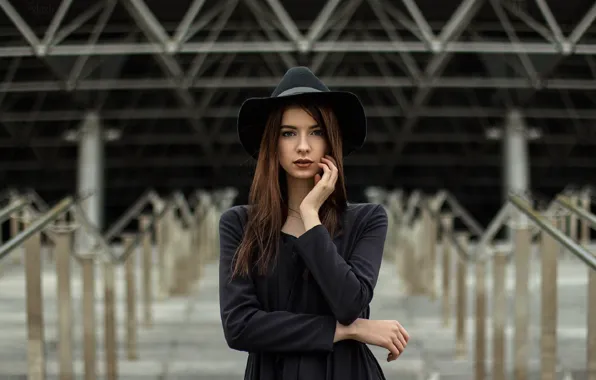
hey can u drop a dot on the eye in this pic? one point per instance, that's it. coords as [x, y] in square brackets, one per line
[318, 132]
[287, 133]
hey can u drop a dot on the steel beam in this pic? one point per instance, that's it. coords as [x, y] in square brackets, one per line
[26, 31]
[582, 27]
[183, 28]
[199, 60]
[245, 82]
[225, 47]
[566, 45]
[76, 24]
[342, 20]
[450, 32]
[56, 21]
[155, 32]
[371, 110]
[320, 24]
[263, 19]
[79, 65]
[422, 24]
[288, 24]
[552, 24]
[406, 57]
[203, 23]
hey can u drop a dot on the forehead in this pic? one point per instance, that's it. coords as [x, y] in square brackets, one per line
[297, 117]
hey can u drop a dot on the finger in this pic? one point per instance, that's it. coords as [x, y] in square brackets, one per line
[326, 171]
[392, 348]
[394, 357]
[399, 344]
[334, 171]
[402, 341]
[332, 160]
[400, 335]
[391, 356]
[404, 332]
[333, 167]
[317, 178]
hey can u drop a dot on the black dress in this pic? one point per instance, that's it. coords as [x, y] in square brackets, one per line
[286, 320]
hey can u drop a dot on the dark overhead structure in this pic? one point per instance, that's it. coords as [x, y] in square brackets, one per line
[164, 79]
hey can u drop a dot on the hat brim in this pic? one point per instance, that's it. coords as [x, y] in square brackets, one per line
[253, 114]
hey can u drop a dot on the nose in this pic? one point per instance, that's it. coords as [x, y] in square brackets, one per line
[303, 145]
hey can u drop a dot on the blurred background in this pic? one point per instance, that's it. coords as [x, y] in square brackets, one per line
[164, 80]
[132, 104]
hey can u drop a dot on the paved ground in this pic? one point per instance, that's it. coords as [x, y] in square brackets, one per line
[187, 342]
[439, 342]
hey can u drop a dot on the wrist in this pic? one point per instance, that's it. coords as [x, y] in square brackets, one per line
[355, 327]
[310, 218]
[308, 211]
[343, 332]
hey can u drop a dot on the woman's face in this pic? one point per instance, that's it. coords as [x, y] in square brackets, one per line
[302, 143]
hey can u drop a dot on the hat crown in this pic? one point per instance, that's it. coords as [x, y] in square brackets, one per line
[299, 77]
[301, 82]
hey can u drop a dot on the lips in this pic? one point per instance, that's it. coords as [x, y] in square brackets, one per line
[303, 161]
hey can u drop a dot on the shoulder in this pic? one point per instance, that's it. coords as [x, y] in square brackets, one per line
[366, 211]
[235, 216]
[363, 216]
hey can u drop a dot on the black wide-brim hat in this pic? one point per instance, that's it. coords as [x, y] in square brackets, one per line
[299, 83]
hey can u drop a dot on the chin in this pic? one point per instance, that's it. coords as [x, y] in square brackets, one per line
[302, 175]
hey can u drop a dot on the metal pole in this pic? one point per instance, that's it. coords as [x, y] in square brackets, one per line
[522, 247]
[90, 176]
[579, 251]
[36, 226]
[549, 302]
[499, 315]
[447, 221]
[461, 347]
[515, 156]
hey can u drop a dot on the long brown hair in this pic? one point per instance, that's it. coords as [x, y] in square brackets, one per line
[268, 209]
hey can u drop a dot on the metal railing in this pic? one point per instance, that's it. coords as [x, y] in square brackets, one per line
[554, 229]
[183, 243]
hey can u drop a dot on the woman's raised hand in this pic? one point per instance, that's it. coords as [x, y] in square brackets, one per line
[384, 333]
[324, 186]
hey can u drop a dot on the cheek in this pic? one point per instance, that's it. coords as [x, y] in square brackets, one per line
[283, 153]
[321, 146]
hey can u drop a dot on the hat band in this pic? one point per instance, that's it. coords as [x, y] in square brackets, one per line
[296, 90]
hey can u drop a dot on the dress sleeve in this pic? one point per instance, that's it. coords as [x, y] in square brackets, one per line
[346, 285]
[246, 326]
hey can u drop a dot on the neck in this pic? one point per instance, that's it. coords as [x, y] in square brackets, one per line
[297, 190]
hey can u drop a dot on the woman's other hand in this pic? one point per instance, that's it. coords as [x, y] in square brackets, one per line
[324, 186]
[383, 333]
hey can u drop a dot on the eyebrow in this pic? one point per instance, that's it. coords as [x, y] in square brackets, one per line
[293, 127]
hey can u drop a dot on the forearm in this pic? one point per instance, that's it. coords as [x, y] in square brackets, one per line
[278, 331]
[347, 285]
[346, 290]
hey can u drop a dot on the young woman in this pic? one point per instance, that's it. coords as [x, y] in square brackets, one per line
[299, 264]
